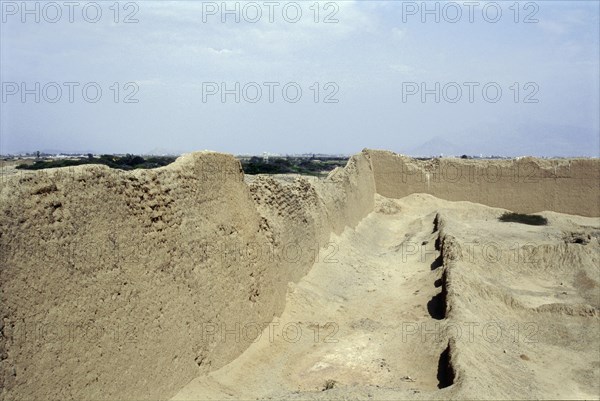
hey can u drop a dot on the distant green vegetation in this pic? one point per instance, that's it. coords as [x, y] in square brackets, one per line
[291, 165]
[253, 165]
[127, 162]
[532, 220]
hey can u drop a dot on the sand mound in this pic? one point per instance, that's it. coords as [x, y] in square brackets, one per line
[131, 285]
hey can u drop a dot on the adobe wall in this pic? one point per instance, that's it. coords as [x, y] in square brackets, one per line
[524, 185]
[127, 285]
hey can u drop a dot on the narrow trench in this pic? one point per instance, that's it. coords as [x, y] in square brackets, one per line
[437, 309]
[445, 373]
[436, 223]
[438, 262]
[437, 304]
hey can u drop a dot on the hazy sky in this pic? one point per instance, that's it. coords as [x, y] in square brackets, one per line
[361, 66]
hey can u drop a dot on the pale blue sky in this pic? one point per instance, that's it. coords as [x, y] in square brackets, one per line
[370, 55]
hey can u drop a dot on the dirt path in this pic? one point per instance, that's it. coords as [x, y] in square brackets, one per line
[351, 320]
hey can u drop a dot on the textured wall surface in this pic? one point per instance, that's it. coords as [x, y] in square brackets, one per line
[124, 285]
[523, 185]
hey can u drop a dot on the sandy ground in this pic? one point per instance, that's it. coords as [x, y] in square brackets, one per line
[371, 318]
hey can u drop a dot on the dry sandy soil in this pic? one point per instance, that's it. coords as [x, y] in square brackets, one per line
[391, 278]
[505, 310]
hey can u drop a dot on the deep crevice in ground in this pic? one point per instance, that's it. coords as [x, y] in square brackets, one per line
[445, 374]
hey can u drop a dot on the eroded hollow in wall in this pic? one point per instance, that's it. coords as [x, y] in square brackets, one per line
[437, 304]
[445, 374]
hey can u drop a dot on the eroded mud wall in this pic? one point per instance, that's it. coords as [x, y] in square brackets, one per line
[523, 185]
[126, 285]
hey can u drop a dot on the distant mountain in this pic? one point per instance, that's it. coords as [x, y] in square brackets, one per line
[525, 139]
